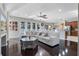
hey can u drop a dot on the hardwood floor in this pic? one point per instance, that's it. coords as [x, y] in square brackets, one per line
[44, 50]
[62, 49]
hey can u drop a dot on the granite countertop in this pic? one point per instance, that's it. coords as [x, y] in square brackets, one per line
[28, 45]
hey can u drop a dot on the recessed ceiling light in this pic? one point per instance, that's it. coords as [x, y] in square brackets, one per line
[63, 53]
[66, 50]
[59, 10]
[59, 54]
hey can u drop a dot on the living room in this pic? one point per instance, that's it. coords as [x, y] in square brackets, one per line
[38, 29]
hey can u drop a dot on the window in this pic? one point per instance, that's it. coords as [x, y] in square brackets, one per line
[28, 25]
[46, 27]
[42, 24]
[22, 25]
[38, 27]
[13, 25]
[3, 25]
[33, 26]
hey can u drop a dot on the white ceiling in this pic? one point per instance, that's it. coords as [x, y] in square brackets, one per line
[55, 12]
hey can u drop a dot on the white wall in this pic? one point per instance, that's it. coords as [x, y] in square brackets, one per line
[17, 34]
[61, 29]
[14, 34]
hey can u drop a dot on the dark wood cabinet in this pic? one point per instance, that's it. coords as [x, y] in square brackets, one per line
[28, 48]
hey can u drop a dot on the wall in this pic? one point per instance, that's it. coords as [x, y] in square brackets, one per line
[13, 34]
[60, 27]
[18, 33]
[78, 38]
[73, 28]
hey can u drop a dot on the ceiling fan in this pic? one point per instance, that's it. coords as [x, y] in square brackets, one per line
[43, 16]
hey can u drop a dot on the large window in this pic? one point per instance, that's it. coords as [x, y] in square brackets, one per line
[42, 24]
[22, 25]
[38, 27]
[46, 27]
[33, 26]
[3, 25]
[28, 25]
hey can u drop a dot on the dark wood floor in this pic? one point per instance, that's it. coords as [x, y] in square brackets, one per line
[61, 49]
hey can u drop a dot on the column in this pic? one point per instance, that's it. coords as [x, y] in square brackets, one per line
[31, 26]
[0, 46]
[25, 26]
[0, 42]
[0, 36]
[78, 32]
[40, 25]
[35, 26]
